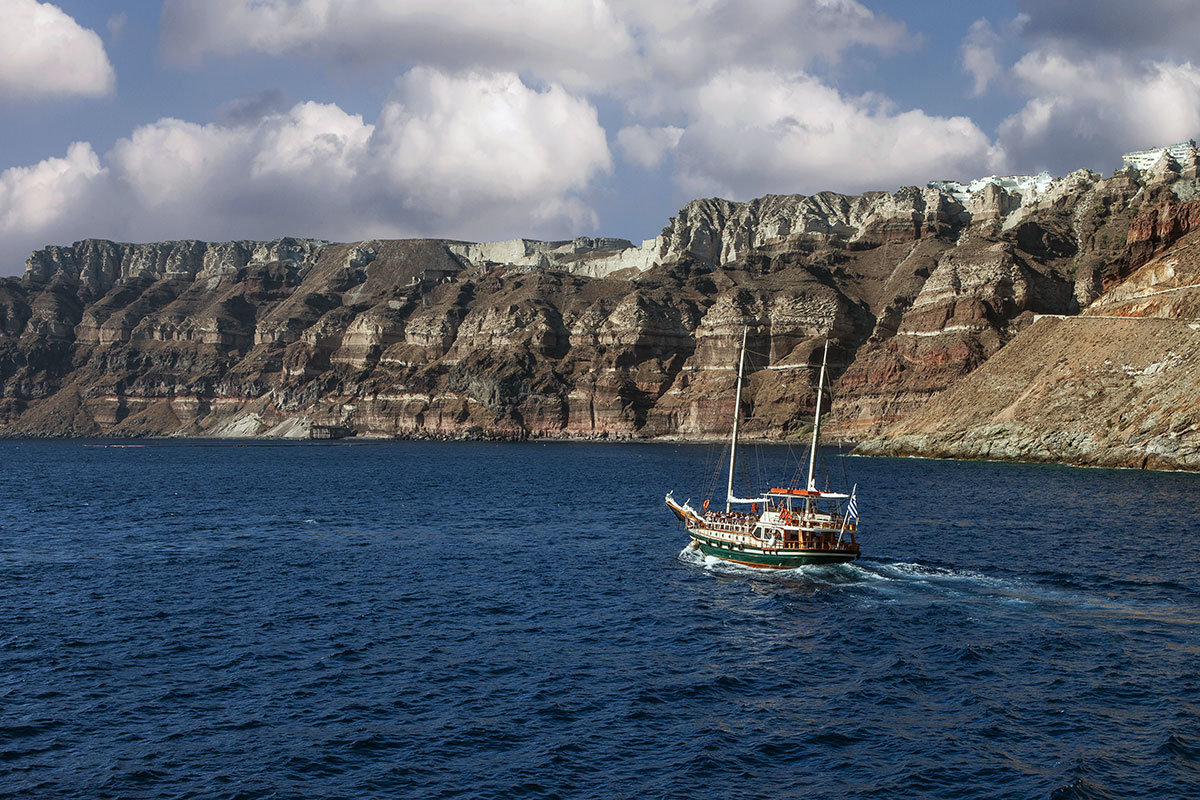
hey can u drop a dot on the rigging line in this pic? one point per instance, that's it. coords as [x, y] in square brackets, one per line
[713, 470]
[746, 478]
[712, 463]
[793, 461]
[795, 481]
[718, 467]
[842, 459]
[758, 467]
[799, 465]
[708, 456]
[752, 478]
[840, 444]
[762, 467]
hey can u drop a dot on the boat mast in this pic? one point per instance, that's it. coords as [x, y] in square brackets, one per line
[812, 456]
[737, 412]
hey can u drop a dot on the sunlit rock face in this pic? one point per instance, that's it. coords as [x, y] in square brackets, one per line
[1115, 385]
[914, 289]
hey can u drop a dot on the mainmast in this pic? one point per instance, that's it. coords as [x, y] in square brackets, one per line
[812, 456]
[737, 413]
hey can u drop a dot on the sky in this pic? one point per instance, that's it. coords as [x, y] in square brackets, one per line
[148, 120]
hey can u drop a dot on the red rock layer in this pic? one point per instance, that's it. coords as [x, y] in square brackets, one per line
[1154, 229]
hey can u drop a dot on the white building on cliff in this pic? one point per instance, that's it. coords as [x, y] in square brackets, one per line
[1182, 152]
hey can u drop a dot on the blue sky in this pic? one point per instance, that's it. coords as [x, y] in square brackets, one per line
[347, 119]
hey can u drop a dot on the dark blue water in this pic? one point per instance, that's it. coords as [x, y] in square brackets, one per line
[517, 621]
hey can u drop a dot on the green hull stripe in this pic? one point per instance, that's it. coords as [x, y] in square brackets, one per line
[777, 560]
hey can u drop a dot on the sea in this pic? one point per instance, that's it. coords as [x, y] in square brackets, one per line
[186, 619]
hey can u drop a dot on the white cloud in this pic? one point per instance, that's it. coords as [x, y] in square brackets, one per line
[683, 42]
[648, 146]
[116, 25]
[170, 168]
[621, 45]
[1160, 29]
[578, 42]
[754, 133]
[1087, 111]
[475, 157]
[649, 57]
[459, 143]
[1094, 84]
[979, 56]
[45, 52]
[252, 108]
[37, 201]
[317, 142]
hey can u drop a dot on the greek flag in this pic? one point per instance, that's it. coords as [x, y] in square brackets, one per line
[852, 507]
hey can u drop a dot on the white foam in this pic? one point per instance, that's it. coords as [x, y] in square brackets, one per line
[817, 573]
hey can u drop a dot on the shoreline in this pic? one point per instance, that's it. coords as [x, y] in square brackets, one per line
[424, 438]
[851, 447]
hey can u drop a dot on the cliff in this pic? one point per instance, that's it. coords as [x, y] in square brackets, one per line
[1117, 385]
[584, 338]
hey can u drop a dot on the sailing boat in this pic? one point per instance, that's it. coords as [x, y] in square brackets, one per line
[785, 527]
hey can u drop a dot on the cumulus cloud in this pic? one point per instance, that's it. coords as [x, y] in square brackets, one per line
[684, 42]
[40, 201]
[252, 108]
[461, 144]
[1086, 111]
[578, 42]
[1166, 30]
[652, 58]
[594, 44]
[45, 52]
[648, 146]
[1091, 84]
[755, 132]
[979, 56]
[475, 156]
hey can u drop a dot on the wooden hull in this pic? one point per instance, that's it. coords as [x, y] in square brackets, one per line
[771, 558]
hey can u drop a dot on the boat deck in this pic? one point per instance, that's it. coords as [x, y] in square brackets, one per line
[737, 531]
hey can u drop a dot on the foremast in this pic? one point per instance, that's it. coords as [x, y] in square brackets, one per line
[812, 455]
[737, 414]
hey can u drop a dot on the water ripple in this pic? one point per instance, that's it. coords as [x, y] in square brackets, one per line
[341, 621]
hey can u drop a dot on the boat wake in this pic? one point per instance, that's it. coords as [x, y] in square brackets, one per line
[895, 581]
[917, 573]
[831, 574]
[897, 578]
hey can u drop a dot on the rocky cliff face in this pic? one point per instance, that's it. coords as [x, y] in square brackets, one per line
[590, 337]
[1117, 385]
[1085, 390]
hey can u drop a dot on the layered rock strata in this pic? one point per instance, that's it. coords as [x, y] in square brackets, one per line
[916, 289]
[1116, 386]
[1080, 390]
